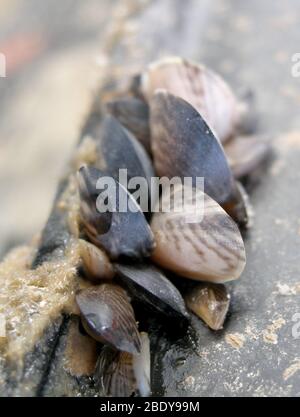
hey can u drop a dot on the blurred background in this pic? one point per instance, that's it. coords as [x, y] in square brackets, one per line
[51, 49]
[56, 53]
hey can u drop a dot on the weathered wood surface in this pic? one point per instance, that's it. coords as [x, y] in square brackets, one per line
[256, 354]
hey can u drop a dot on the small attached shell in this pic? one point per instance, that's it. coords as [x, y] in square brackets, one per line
[199, 86]
[184, 146]
[207, 249]
[114, 374]
[119, 232]
[149, 285]
[81, 351]
[132, 113]
[121, 374]
[96, 264]
[245, 154]
[108, 317]
[210, 302]
[239, 207]
[141, 366]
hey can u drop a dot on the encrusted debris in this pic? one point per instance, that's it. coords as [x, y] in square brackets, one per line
[291, 370]
[235, 340]
[269, 334]
[33, 298]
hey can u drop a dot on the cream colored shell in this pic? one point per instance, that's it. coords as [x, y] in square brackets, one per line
[202, 245]
[202, 88]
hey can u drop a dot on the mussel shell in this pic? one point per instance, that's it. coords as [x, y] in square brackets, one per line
[245, 154]
[114, 373]
[133, 113]
[208, 249]
[119, 233]
[183, 145]
[119, 149]
[96, 264]
[108, 317]
[239, 207]
[210, 302]
[199, 86]
[121, 374]
[149, 285]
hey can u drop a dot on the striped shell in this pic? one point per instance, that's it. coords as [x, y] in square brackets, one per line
[121, 374]
[183, 145]
[199, 242]
[114, 374]
[199, 86]
[108, 317]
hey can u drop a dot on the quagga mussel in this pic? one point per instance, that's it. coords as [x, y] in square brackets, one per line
[180, 121]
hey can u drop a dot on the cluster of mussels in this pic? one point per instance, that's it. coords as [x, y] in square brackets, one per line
[178, 119]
